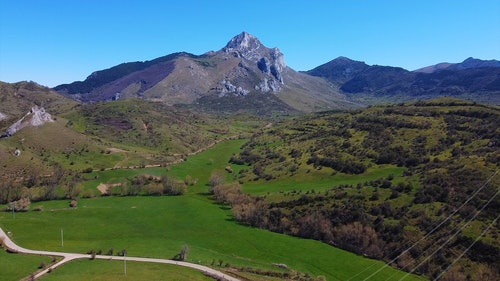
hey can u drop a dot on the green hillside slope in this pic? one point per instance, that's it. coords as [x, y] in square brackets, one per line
[379, 181]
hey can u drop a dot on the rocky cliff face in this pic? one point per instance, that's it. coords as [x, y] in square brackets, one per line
[37, 116]
[268, 60]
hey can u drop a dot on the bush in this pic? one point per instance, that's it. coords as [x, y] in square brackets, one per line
[87, 170]
[21, 205]
[73, 203]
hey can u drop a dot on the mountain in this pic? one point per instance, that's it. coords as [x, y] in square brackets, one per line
[247, 76]
[466, 64]
[241, 76]
[472, 79]
[339, 70]
[434, 68]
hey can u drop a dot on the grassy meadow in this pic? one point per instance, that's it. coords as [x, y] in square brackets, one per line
[18, 266]
[159, 226]
[103, 270]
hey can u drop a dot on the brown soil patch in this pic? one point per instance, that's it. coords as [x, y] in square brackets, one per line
[115, 150]
[104, 188]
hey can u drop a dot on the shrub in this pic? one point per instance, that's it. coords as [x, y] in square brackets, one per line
[87, 170]
[73, 203]
[38, 209]
[21, 205]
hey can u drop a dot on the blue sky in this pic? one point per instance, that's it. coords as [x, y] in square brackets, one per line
[60, 41]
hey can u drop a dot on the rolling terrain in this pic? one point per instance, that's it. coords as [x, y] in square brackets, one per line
[159, 226]
[386, 182]
[84, 137]
[254, 164]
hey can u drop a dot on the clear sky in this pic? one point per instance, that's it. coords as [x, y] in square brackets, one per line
[59, 41]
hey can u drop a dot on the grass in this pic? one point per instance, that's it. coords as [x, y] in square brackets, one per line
[18, 266]
[115, 270]
[197, 167]
[320, 180]
[160, 226]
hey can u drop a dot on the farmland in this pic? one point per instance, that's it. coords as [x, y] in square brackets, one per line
[158, 226]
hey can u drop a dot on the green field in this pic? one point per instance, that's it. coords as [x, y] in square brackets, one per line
[160, 226]
[97, 270]
[17, 266]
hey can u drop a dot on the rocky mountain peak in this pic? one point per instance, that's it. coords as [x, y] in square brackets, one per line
[243, 42]
[269, 60]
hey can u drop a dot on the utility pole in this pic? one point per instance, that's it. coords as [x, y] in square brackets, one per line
[125, 262]
[62, 238]
[13, 205]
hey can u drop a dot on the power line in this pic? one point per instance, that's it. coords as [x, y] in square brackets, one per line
[468, 248]
[432, 231]
[453, 236]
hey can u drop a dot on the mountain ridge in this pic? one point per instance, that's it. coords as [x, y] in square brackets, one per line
[472, 79]
[245, 69]
[466, 64]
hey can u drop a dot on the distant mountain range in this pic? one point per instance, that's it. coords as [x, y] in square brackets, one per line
[466, 64]
[472, 79]
[246, 75]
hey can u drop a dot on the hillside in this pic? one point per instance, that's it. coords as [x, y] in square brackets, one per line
[85, 137]
[18, 98]
[386, 182]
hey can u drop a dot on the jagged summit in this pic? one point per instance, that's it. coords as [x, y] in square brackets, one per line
[247, 46]
[268, 60]
[243, 41]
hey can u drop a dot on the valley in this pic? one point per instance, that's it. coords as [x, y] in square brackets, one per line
[159, 226]
[235, 161]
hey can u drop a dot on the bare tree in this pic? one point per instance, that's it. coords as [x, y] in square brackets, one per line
[216, 179]
[184, 253]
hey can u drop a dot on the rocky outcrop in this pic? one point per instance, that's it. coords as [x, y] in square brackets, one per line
[268, 85]
[2, 116]
[268, 60]
[37, 116]
[226, 87]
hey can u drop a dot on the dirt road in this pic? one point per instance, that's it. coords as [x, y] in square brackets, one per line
[8, 244]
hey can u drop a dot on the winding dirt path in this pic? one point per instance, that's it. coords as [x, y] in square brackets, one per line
[8, 244]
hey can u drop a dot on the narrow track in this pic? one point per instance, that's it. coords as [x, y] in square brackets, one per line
[11, 246]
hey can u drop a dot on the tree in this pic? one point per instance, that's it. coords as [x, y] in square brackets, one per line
[184, 253]
[171, 186]
[216, 178]
[21, 205]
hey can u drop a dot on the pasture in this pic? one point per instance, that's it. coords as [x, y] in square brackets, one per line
[159, 226]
